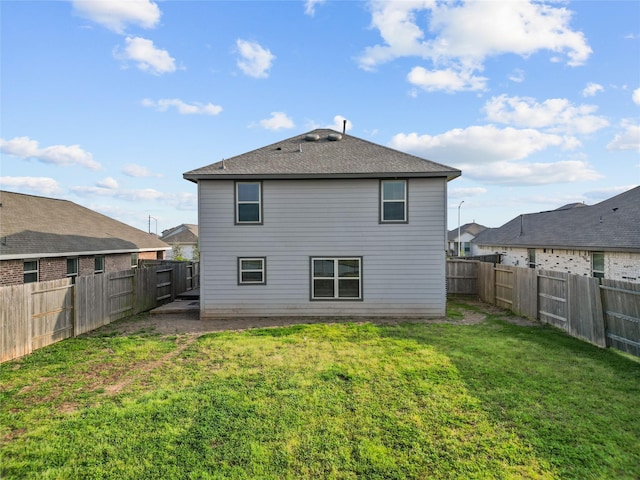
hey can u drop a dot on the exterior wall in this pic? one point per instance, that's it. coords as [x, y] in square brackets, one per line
[403, 265]
[11, 272]
[617, 265]
[54, 268]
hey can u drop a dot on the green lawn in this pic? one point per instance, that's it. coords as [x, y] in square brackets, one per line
[491, 400]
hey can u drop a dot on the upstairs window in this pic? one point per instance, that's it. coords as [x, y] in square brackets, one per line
[336, 278]
[252, 271]
[248, 202]
[393, 201]
[30, 271]
[597, 264]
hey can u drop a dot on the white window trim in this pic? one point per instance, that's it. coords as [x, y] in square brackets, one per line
[262, 270]
[36, 271]
[248, 202]
[137, 257]
[336, 278]
[404, 200]
[593, 270]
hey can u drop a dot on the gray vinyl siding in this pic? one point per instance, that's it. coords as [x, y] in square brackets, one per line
[403, 265]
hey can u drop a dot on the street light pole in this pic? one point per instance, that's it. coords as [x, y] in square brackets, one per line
[459, 226]
[154, 218]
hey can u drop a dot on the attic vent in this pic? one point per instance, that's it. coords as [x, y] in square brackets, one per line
[334, 137]
[312, 137]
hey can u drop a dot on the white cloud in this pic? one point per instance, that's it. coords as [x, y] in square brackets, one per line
[636, 96]
[255, 60]
[448, 80]
[555, 114]
[39, 185]
[183, 108]
[466, 192]
[494, 156]
[310, 6]
[63, 155]
[460, 36]
[479, 144]
[149, 58]
[338, 124]
[516, 76]
[591, 89]
[108, 182]
[115, 15]
[512, 173]
[277, 121]
[138, 171]
[628, 139]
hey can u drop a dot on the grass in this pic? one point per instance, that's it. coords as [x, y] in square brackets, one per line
[491, 400]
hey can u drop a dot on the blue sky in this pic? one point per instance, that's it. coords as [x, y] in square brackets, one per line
[108, 103]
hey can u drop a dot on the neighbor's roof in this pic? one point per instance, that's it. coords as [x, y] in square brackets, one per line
[472, 228]
[182, 234]
[612, 225]
[32, 226]
[322, 153]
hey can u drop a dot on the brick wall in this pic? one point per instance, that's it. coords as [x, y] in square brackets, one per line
[11, 272]
[53, 268]
[617, 265]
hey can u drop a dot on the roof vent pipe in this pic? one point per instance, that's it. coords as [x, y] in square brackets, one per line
[344, 126]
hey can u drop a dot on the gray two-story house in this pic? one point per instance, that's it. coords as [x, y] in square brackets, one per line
[321, 224]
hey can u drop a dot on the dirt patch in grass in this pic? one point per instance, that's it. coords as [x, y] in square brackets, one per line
[473, 312]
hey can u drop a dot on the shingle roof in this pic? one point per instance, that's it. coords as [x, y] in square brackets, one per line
[185, 233]
[612, 225]
[316, 155]
[38, 226]
[473, 228]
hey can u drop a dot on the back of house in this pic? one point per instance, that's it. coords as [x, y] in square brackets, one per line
[322, 224]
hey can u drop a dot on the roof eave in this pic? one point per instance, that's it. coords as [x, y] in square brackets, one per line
[29, 255]
[449, 175]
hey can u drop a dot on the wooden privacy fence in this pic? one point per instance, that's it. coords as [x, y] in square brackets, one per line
[38, 314]
[606, 314]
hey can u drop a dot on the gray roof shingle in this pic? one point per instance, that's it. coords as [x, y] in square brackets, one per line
[316, 155]
[611, 225]
[32, 226]
[185, 233]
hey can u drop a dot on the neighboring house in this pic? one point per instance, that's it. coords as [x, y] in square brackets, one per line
[602, 240]
[46, 239]
[183, 240]
[468, 232]
[322, 224]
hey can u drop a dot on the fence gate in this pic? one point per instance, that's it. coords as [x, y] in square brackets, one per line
[120, 294]
[552, 298]
[51, 313]
[163, 284]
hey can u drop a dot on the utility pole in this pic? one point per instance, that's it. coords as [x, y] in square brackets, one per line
[459, 242]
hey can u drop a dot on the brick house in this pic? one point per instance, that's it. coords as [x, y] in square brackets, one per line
[601, 240]
[46, 239]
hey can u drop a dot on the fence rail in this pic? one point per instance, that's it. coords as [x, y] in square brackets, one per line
[37, 314]
[607, 314]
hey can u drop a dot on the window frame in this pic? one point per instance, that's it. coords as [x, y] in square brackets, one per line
[597, 273]
[31, 272]
[405, 200]
[95, 260]
[531, 257]
[262, 270]
[336, 279]
[237, 203]
[134, 260]
[77, 269]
